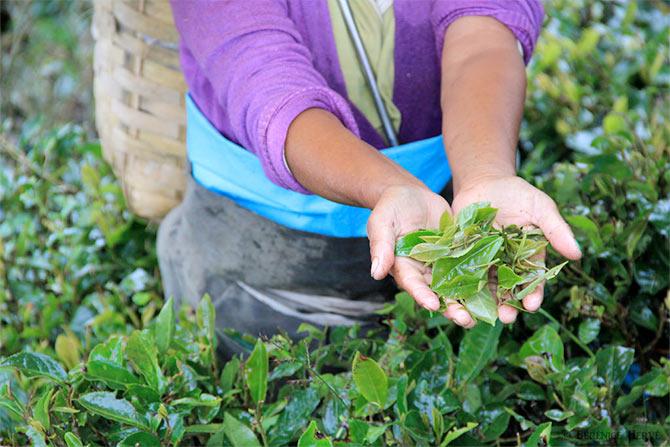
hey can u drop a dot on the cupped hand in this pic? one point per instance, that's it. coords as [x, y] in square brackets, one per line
[519, 203]
[401, 210]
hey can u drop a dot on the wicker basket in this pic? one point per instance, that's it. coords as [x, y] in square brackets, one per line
[139, 95]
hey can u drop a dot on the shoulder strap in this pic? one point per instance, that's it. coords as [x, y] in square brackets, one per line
[367, 71]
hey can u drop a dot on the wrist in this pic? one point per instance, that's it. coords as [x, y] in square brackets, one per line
[467, 178]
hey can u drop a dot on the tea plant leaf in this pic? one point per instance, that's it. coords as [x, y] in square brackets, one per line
[108, 406]
[295, 416]
[541, 436]
[545, 341]
[256, 372]
[537, 280]
[588, 330]
[206, 318]
[507, 279]
[370, 379]
[237, 433]
[477, 348]
[72, 440]
[309, 438]
[165, 326]
[446, 221]
[143, 439]
[428, 253]
[473, 262]
[34, 364]
[482, 306]
[613, 363]
[405, 244]
[588, 228]
[41, 409]
[67, 348]
[141, 352]
[456, 433]
[110, 373]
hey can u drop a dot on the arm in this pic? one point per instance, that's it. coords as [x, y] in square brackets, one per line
[278, 105]
[331, 161]
[483, 90]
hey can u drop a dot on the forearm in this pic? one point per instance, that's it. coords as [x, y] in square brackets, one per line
[329, 160]
[483, 90]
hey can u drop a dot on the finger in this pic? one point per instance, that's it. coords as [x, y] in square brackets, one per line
[556, 230]
[533, 301]
[409, 277]
[382, 245]
[457, 313]
[507, 314]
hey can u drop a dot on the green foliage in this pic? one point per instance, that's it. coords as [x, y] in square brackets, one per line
[463, 252]
[88, 357]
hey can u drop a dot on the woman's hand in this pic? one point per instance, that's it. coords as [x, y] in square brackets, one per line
[519, 204]
[400, 210]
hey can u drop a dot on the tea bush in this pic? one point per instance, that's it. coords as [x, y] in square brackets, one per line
[90, 355]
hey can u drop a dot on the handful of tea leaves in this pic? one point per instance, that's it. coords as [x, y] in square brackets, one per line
[463, 251]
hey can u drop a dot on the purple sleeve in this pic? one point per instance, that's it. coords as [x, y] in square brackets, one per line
[522, 17]
[260, 72]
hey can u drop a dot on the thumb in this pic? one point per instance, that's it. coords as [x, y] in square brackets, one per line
[555, 228]
[382, 244]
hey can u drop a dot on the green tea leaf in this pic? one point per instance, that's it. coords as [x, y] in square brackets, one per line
[141, 352]
[41, 408]
[405, 244]
[309, 438]
[588, 228]
[110, 373]
[469, 214]
[165, 326]
[482, 306]
[545, 342]
[588, 330]
[474, 262]
[206, 317]
[507, 279]
[457, 432]
[541, 436]
[237, 433]
[229, 373]
[106, 404]
[370, 379]
[538, 279]
[613, 363]
[72, 440]
[429, 253]
[477, 349]
[34, 364]
[446, 221]
[67, 348]
[256, 372]
[110, 351]
[141, 438]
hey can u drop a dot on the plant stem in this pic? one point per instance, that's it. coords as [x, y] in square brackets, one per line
[259, 421]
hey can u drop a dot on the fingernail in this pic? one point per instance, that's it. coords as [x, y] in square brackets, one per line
[432, 304]
[461, 318]
[375, 265]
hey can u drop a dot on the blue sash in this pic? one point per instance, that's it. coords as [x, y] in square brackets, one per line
[226, 168]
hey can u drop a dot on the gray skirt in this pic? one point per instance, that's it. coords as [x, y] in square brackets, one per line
[263, 277]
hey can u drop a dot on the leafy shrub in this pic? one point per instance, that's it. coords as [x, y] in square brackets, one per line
[88, 358]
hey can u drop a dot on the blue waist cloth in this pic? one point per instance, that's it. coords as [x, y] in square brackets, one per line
[226, 168]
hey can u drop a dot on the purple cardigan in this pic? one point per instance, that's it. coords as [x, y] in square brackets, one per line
[253, 66]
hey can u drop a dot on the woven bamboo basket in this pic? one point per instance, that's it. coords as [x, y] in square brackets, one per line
[139, 101]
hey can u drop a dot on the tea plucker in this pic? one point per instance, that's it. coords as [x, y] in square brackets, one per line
[318, 133]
